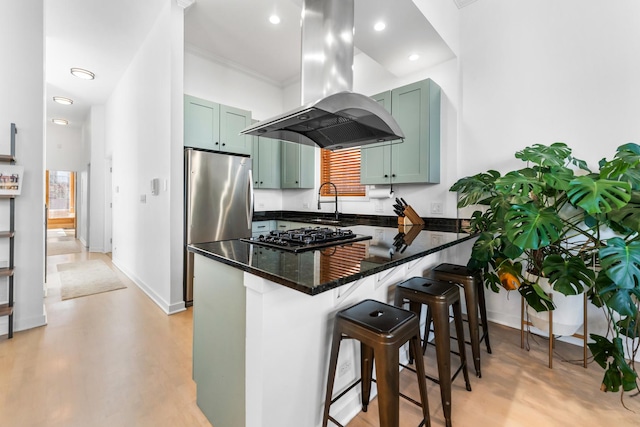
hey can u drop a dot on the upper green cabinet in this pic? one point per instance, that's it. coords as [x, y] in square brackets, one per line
[214, 126]
[416, 108]
[266, 160]
[298, 165]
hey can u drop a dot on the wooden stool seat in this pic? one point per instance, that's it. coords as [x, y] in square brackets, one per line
[381, 329]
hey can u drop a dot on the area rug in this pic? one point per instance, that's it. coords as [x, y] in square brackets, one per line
[62, 246]
[83, 278]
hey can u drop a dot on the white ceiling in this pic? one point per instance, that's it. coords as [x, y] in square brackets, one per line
[103, 36]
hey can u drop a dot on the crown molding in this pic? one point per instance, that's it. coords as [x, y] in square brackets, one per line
[195, 50]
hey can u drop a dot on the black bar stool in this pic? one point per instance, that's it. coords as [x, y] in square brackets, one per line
[381, 329]
[438, 296]
[473, 287]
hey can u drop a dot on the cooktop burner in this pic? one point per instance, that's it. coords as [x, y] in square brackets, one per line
[306, 239]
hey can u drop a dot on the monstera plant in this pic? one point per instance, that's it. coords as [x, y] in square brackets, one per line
[577, 228]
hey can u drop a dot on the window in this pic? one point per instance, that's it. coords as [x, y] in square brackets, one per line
[341, 167]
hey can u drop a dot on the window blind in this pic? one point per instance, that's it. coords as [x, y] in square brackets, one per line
[341, 167]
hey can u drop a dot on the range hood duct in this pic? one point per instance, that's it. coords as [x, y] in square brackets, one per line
[331, 116]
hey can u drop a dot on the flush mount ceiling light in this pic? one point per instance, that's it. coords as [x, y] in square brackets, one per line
[62, 100]
[83, 74]
[274, 19]
[414, 57]
[62, 122]
[379, 26]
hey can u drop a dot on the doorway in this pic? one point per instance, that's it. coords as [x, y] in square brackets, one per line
[61, 201]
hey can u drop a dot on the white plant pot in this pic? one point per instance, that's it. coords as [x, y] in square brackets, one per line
[568, 316]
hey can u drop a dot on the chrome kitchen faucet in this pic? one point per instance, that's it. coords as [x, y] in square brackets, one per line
[335, 189]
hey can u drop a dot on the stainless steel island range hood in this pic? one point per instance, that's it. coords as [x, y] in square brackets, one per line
[332, 116]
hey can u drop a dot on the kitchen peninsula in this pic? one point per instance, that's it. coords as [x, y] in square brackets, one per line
[263, 319]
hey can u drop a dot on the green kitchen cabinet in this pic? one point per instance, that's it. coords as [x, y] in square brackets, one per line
[416, 108]
[298, 165]
[375, 159]
[266, 160]
[216, 127]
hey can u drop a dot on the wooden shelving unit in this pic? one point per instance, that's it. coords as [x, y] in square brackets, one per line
[6, 309]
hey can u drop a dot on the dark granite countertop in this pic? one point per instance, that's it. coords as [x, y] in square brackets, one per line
[347, 220]
[318, 271]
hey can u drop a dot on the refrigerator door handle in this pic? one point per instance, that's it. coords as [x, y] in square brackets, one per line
[250, 199]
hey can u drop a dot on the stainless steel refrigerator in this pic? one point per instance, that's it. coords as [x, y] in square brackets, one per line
[218, 202]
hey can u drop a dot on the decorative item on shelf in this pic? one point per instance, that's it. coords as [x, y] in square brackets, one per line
[11, 179]
[579, 229]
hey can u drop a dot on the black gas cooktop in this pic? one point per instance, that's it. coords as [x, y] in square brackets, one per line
[306, 239]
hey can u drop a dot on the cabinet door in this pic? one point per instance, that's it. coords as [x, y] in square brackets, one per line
[201, 123]
[232, 121]
[260, 228]
[298, 165]
[375, 160]
[416, 108]
[266, 162]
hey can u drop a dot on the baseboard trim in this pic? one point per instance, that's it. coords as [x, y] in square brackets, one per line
[157, 299]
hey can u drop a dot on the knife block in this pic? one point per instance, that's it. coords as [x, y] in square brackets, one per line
[410, 217]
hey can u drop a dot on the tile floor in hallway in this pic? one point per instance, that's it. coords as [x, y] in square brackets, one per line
[115, 359]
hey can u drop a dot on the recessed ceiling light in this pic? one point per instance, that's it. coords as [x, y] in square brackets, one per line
[414, 57]
[60, 121]
[274, 19]
[83, 74]
[380, 26]
[62, 100]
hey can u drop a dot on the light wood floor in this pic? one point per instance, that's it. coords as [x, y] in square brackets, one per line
[115, 359]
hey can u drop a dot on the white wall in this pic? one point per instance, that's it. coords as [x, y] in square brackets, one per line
[97, 173]
[139, 121]
[541, 72]
[65, 148]
[22, 103]
[205, 78]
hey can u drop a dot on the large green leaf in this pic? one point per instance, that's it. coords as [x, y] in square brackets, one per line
[617, 298]
[626, 220]
[474, 189]
[625, 166]
[568, 276]
[629, 326]
[536, 297]
[554, 155]
[558, 177]
[621, 262]
[517, 186]
[529, 227]
[610, 356]
[484, 247]
[598, 195]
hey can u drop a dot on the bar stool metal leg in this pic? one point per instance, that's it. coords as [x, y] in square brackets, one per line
[333, 362]
[483, 316]
[366, 374]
